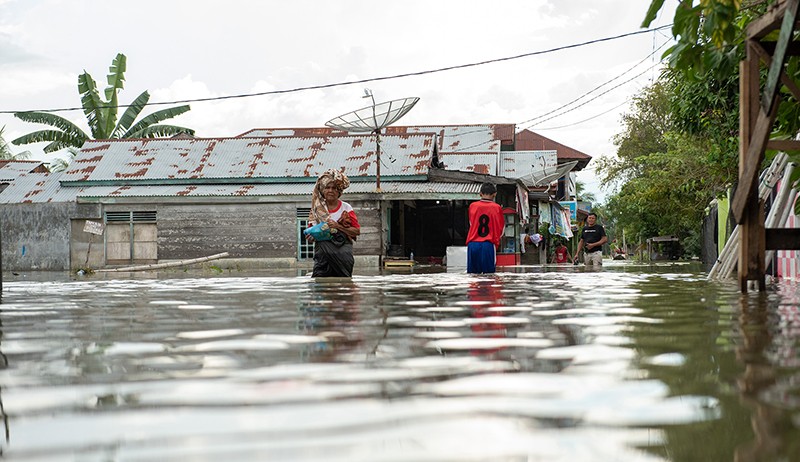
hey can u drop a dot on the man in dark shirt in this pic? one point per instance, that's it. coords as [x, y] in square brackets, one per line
[593, 236]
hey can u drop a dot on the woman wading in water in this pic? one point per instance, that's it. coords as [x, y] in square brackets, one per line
[333, 256]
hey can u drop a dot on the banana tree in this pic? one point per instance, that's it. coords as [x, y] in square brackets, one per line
[5, 150]
[101, 115]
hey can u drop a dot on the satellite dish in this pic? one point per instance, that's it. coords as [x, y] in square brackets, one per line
[372, 119]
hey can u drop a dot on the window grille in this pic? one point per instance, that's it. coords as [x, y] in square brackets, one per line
[305, 249]
[131, 217]
[144, 217]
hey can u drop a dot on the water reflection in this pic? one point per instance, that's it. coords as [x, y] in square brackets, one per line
[485, 294]
[330, 311]
[765, 333]
[3, 365]
[634, 363]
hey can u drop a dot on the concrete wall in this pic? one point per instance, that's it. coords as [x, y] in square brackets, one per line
[36, 236]
[51, 237]
[246, 231]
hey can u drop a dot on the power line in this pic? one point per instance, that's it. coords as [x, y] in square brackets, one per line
[456, 135]
[597, 87]
[585, 120]
[589, 101]
[361, 81]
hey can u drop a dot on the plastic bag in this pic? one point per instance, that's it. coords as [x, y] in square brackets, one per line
[320, 232]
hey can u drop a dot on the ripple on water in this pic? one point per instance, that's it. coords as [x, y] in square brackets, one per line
[562, 366]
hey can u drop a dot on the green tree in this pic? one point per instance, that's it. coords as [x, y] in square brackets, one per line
[582, 194]
[5, 150]
[710, 43]
[101, 115]
[664, 175]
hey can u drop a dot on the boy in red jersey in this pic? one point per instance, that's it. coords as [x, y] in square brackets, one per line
[485, 229]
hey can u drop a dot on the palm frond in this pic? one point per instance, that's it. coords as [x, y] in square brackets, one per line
[5, 149]
[57, 146]
[130, 114]
[155, 118]
[93, 107]
[59, 139]
[53, 120]
[60, 164]
[116, 82]
[116, 76]
[161, 131]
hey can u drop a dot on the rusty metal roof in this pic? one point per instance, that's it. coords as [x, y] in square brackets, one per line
[517, 164]
[529, 141]
[11, 169]
[473, 162]
[36, 188]
[43, 187]
[275, 189]
[244, 159]
[464, 138]
[302, 131]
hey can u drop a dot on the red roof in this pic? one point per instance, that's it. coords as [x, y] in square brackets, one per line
[530, 141]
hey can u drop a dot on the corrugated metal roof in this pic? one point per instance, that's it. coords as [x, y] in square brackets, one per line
[528, 140]
[274, 189]
[11, 169]
[456, 138]
[474, 162]
[464, 138]
[244, 158]
[516, 164]
[304, 131]
[45, 187]
[36, 188]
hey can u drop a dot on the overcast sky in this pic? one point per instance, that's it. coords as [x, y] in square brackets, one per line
[189, 49]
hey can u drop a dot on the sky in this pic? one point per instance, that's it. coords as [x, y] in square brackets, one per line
[196, 49]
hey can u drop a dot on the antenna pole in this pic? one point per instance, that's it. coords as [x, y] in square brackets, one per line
[378, 164]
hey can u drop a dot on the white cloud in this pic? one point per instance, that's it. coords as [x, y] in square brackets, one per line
[200, 49]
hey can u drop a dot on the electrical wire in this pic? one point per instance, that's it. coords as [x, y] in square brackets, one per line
[360, 81]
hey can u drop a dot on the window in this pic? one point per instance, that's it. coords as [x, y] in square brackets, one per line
[305, 249]
[131, 237]
[131, 217]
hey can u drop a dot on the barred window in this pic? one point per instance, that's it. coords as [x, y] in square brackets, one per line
[305, 249]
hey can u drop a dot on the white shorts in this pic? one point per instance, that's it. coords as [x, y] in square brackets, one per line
[593, 258]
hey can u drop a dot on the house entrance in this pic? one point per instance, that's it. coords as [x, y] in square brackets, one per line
[426, 228]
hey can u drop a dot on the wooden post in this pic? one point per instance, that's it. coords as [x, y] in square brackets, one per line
[748, 218]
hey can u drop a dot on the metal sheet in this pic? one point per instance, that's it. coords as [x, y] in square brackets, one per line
[242, 158]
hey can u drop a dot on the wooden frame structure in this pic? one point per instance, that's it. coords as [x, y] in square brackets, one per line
[757, 114]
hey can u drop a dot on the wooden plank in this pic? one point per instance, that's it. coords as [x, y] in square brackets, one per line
[782, 238]
[784, 145]
[398, 263]
[752, 245]
[766, 57]
[770, 21]
[779, 57]
[793, 49]
[748, 173]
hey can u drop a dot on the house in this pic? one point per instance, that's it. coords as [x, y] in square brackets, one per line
[11, 169]
[179, 198]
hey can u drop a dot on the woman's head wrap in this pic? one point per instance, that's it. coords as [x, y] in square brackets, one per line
[319, 209]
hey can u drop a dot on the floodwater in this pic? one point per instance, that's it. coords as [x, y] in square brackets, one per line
[632, 363]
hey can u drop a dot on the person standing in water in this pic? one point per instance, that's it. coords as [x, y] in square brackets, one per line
[561, 254]
[485, 229]
[593, 236]
[333, 257]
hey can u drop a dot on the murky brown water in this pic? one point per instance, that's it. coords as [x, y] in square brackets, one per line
[634, 363]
